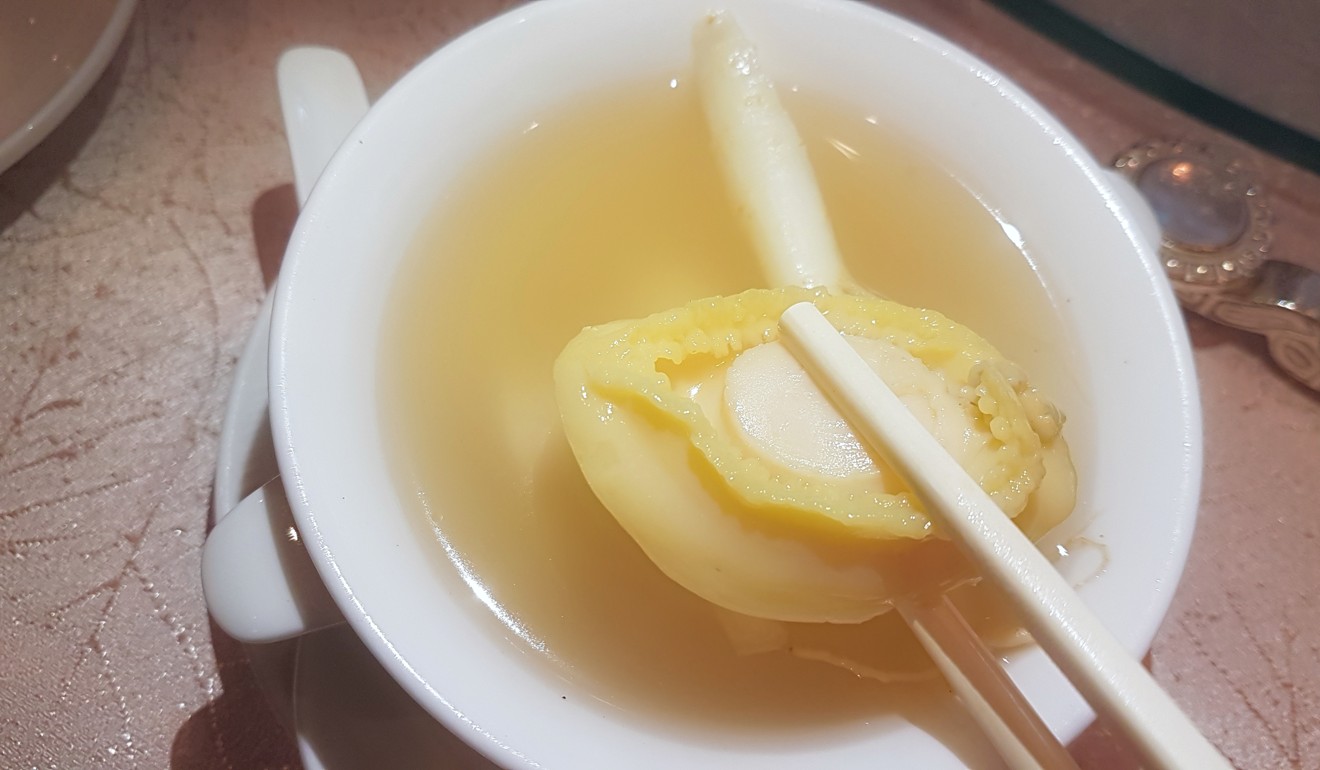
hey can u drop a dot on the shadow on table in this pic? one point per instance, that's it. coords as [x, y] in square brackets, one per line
[1099, 746]
[23, 184]
[274, 214]
[237, 728]
[1206, 335]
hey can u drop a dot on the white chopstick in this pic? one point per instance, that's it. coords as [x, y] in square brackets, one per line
[985, 689]
[1110, 679]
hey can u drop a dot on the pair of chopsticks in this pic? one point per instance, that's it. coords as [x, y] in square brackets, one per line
[1112, 681]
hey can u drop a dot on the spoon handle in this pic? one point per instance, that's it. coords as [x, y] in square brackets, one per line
[1282, 303]
[764, 161]
[322, 97]
[260, 585]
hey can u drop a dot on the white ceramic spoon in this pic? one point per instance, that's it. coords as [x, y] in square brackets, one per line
[769, 175]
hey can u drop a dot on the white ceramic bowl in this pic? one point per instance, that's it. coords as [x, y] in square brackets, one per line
[54, 51]
[1135, 425]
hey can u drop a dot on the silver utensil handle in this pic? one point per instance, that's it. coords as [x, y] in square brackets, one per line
[1282, 303]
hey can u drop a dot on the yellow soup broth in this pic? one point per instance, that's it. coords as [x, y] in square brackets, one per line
[615, 209]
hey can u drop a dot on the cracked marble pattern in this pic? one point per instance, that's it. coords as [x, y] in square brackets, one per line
[135, 244]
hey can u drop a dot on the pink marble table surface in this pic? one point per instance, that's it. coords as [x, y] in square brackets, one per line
[135, 245]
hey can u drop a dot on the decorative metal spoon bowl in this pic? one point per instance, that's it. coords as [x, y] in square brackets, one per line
[1216, 236]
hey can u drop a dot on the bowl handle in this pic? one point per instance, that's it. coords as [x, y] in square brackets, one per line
[260, 585]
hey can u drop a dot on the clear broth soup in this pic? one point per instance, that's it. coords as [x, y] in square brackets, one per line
[615, 209]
